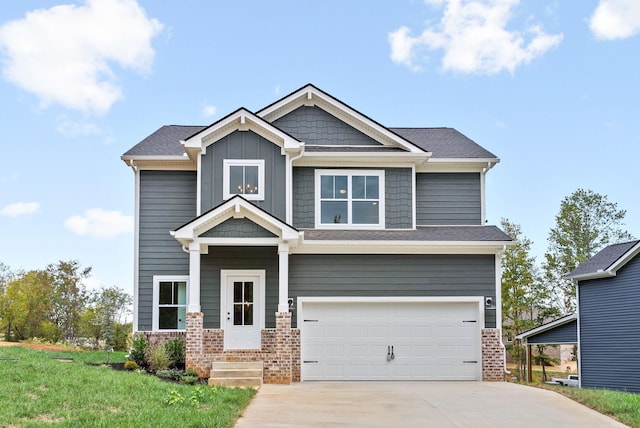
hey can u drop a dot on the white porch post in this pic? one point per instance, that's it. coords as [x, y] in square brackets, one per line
[193, 303]
[283, 282]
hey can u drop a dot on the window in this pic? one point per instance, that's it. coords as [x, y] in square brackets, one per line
[170, 302]
[351, 198]
[243, 177]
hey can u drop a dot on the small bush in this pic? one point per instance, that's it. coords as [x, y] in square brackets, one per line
[189, 380]
[158, 358]
[138, 352]
[175, 350]
[131, 365]
[190, 372]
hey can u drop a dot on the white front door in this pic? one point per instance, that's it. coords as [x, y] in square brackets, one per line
[242, 308]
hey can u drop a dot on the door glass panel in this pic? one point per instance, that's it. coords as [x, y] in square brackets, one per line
[237, 314]
[333, 212]
[248, 314]
[248, 292]
[237, 292]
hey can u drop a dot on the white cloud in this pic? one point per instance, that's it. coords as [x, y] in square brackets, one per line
[100, 223]
[209, 110]
[20, 208]
[71, 128]
[65, 54]
[474, 38]
[616, 19]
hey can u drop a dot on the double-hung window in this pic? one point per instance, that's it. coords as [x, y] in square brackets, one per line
[170, 302]
[351, 198]
[243, 177]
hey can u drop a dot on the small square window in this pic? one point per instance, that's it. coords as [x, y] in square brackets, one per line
[170, 303]
[243, 177]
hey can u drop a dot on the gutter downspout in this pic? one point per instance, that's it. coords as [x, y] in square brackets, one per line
[499, 309]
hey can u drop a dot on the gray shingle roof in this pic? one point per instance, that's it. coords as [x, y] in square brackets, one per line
[164, 142]
[356, 149]
[604, 259]
[430, 233]
[444, 142]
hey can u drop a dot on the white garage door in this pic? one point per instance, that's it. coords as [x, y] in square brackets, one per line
[390, 341]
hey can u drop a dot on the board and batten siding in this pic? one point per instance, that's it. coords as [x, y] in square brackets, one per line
[167, 201]
[347, 275]
[398, 197]
[238, 258]
[610, 330]
[448, 199]
[566, 333]
[245, 145]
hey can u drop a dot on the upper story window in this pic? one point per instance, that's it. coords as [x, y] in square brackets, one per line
[170, 302]
[243, 177]
[352, 198]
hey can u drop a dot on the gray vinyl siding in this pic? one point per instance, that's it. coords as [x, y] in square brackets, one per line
[398, 197]
[245, 145]
[566, 333]
[167, 201]
[393, 275]
[263, 258]
[314, 126]
[610, 330]
[238, 228]
[448, 199]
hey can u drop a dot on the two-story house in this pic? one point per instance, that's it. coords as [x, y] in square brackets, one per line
[311, 238]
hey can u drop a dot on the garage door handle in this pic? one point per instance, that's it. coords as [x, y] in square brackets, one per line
[470, 362]
[310, 320]
[310, 362]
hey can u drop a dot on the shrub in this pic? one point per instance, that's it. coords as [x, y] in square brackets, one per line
[158, 358]
[131, 365]
[189, 380]
[175, 350]
[138, 352]
[190, 372]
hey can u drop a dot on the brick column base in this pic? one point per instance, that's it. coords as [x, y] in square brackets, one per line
[281, 371]
[492, 355]
[194, 356]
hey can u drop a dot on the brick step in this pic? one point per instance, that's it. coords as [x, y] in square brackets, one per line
[236, 373]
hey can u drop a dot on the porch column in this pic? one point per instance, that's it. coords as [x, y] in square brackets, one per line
[193, 303]
[283, 281]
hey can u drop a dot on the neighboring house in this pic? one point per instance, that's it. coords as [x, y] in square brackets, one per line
[314, 239]
[607, 323]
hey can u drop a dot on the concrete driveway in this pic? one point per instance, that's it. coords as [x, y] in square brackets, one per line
[416, 404]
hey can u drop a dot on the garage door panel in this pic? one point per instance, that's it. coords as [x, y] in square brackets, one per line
[350, 341]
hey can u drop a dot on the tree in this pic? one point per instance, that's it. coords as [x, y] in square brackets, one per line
[586, 223]
[104, 318]
[69, 297]
[525, 302]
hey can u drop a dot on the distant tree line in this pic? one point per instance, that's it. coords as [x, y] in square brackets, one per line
[54, 304]
[532, 294]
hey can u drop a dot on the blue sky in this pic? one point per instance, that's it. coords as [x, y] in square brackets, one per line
[551, 87]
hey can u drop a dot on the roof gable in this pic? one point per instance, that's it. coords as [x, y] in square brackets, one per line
[240, 120]
[311, 96]
[607, 261]
[237, 208]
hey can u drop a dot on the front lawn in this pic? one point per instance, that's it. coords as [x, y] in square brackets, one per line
[37, 389]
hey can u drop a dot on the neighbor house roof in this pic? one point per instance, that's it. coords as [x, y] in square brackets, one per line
[552, 325]
[607, 261]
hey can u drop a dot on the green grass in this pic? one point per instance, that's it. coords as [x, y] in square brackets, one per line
[623, 406]
[37, 390]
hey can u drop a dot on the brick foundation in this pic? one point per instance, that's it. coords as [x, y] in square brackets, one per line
[492, 355]
[280, 349]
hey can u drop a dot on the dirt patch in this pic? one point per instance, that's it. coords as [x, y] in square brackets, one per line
[39, 346]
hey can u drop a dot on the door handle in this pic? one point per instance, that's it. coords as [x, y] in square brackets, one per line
[388, 353]
[228, 316]
[393, 355]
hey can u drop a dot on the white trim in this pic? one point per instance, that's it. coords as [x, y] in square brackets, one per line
[397, 247]
[136, 251]
[350, 173]
[226, 167]
[157, 279]
[478, 300]
[199, 184]
[483, 197]
[578, 347]
[225, 274]
[548, 326]
[414, 203]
